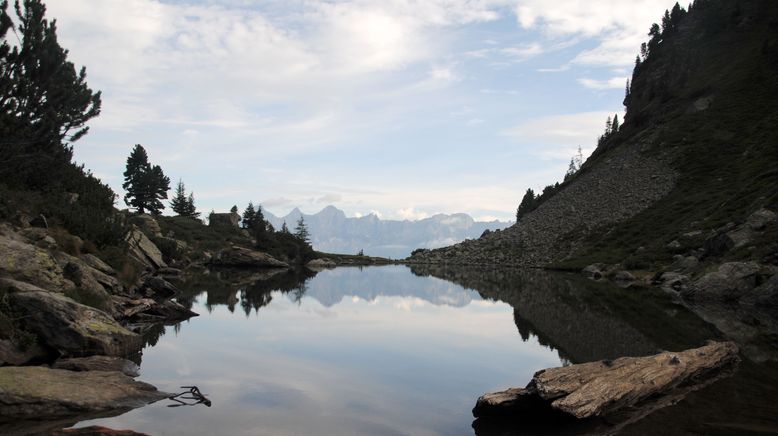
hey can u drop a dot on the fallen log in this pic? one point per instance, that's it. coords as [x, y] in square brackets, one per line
[605, 388]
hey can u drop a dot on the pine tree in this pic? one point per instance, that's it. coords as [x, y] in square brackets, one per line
[234, 209]
[284, 228]
[528, 204]
[248, 216]
[191, 210]
[615, 125]
[145, 185]
[301, 231]
[179, 203]
[44, 102]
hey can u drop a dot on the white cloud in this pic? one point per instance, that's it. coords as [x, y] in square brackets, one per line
[612, 83]
[619, 26]
[410, 213]
[568, 130]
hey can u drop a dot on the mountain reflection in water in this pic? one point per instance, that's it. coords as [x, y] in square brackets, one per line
[388, 350]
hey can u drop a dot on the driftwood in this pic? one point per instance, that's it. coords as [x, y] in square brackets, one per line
[607, 388]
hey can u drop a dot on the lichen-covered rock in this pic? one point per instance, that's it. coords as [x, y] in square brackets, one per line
[40, 393]
[27, 263]
[71, 328]
[761, 219]
[98, 264]
[147, 224]
[243, 257]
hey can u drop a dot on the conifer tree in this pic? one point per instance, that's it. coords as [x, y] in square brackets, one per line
[528, 204]
[145, 185]
[301, 231]
[191, 210]
[44, 102]
[179, 203]
[284, 228]
[615, 125]
[249, 216]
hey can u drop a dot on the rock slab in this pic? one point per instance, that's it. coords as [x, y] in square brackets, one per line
[45, 394]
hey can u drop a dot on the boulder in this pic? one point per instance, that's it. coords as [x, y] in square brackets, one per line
[243, 257]
[39, 237]
[730, 282]
[41, 393]
[684, 263]
[606, 387]
[98, 264]
[147, 224]
[319, 264]
[718, 244]
[141, 249]
[98, 363]
[593, 271]
[623, 276]
[672, 281]
[27, 263]
[761, 219]
[71, 328]
[11, 354]
[159, 288]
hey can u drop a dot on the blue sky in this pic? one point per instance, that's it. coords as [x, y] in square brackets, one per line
[397, 107]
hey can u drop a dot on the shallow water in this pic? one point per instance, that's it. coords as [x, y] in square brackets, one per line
[390, 350]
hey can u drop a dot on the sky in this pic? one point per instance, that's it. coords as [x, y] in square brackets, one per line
[400, 108]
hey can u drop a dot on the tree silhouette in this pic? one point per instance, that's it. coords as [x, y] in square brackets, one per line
[145, 185]
[301, 231]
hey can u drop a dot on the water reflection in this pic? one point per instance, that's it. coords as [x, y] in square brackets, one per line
[389, 350]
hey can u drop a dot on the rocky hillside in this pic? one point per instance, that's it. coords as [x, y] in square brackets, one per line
[694, 159]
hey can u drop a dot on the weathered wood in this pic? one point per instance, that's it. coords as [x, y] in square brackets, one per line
[605, 387]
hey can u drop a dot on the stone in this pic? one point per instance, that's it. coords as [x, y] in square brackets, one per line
[147, 224]
[159, 288]
[98, 363]
[730, 282]
[71, 328]
[761, 219]
[741, 237]
[593, 271]
[606, 387]
[143, 250]
[684, 263]
[718, 244]
[623, 276]
[322, 263]
[95, 430]
[98, 264]
[674, 245]
[41, 393]
[244, 257]
[27, 263]
[673, 281]
[39, 237]
[11, 354]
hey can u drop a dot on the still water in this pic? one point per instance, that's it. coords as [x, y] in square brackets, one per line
[390, 350]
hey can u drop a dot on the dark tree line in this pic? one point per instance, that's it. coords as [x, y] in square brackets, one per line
[292, 245]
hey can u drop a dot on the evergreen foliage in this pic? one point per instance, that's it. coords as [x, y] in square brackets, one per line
[301, 231]
[248, 216]
[44, 102]
[182, 204]
[146, 185]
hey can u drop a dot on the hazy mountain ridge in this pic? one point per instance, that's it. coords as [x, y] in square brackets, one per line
[332, 231]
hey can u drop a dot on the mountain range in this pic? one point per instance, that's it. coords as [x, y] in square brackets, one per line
[333, 232]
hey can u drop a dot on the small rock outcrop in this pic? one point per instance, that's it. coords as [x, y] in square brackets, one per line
[27, 263]
[602, 388]
[71, 328]
[321, 264]
[243, 257]
[140, 248]
[40, 393]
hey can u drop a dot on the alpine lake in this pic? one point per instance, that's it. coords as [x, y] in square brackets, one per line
[398, 350]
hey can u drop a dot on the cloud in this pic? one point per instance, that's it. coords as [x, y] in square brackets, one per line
[612, 83]
[410, 213]
[277, 202]
[329, 198]
[568, 130]
[620, 27]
